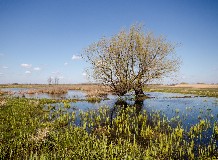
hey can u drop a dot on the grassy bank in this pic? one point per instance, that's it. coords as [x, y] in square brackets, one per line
[207, 92]
[29, 131]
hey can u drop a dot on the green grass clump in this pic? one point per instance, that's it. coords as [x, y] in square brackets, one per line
[93, 99]
[28, 131]
[207, 92]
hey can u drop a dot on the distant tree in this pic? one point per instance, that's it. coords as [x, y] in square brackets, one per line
[200, 83]
[130, 59]
[50, 80]
[183, 83]
[56, 80]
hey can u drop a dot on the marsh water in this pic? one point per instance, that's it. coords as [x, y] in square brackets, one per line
[21, 92]
[185, 109]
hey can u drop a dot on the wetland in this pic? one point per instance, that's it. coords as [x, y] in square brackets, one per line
[38, 123]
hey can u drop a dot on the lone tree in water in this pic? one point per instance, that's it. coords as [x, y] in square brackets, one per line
[130, 59]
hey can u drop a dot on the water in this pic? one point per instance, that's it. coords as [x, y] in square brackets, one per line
[20, 92]
[72, 94]
[15, 90]
[189, 109]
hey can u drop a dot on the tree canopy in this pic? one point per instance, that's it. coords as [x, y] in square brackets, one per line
[130, 59]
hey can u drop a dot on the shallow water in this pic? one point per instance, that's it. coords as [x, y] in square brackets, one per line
[15, 90]
[70, 95]
[174, 106]
[188, 109]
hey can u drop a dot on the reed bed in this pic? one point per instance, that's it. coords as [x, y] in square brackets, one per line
[5, 93]
[31, 131]
[92, 90]
[1, 92]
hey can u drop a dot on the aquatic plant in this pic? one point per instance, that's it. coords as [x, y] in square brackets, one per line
[93, 99]
[29, 130]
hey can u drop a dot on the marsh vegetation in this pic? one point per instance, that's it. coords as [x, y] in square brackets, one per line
[165, 126]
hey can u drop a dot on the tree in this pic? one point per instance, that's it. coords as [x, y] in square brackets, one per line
[56, 80]
[130, 59]
[50, 80]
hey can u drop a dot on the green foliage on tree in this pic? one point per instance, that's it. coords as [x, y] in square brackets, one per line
[130, 59]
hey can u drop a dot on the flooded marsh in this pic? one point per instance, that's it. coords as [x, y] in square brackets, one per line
[164, 126]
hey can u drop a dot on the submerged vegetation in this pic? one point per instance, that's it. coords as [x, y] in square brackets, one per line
[29, 130]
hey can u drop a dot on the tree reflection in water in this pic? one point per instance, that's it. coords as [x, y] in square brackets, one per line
[122, 104]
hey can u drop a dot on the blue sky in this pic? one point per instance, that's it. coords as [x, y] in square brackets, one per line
[43, 38]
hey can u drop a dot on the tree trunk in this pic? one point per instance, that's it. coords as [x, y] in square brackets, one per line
[139, 92]
[139, 105]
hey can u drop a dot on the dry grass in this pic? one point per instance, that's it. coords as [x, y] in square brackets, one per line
[40, 135]
[207, 90]
[95, 90]
[1, 93]
[196, 86]
[92, 90]
[2, 102]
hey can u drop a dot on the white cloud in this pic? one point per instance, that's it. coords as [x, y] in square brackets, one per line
[1, 74]
[27, 72]
[26, 65]
[84, 74]
[61, 77]
[76, 57]
[66, 63]
[5, 67]
[36, 68]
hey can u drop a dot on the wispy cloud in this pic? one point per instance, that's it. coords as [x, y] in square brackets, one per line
[5, 67]
[56, 73]
[1, 74]
[27, 72]
[26, 65]
[66, 63]
[76, 57]
[37, 69]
